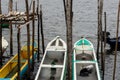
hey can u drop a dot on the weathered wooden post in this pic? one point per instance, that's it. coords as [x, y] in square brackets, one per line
[101, 36]
[0, 8]
[11, 39]
[104, 53]
[42, 33]
[19, 47]
[98, 38]
[10, 7]
[69, 36]
[65, 6]
[117, 31]
[33, 34]
[28, 40]
[38, 15]
[1, 44]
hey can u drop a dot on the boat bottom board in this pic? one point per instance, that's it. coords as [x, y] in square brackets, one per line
[14, 70]
[46, 73]
[92, 75]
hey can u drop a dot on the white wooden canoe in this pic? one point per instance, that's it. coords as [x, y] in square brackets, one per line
[53, 64]
[85, 65]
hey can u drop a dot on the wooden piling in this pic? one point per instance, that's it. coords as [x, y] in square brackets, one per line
[28, 40]
[69, 37]
[65, 6]
[38, 15]
[33, 34]
[101, 36]
[98, 35]
[1, 45]
[0, 8]
[117, 31]
[10, 7]
[11, 39]
[104, 53]
[19, 47]
[42, 33]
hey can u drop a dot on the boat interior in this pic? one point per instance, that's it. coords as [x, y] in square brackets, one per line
[11, 67]
[54, 58]
[84, 55]
[52, 66]
[86, 71]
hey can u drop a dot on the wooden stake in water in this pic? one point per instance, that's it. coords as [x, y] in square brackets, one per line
[69, 36]
[105, 22]
[18, 42]
[0, 8]
[28, 40]
[38, 15]
[1, 44]
[11, 39]
[10, 7]
[98, 39]
[117, 31]
[42, 33]
[33, 34]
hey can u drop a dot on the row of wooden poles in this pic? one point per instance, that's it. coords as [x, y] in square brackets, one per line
[100, 37]
[27, 25]
[69, 19]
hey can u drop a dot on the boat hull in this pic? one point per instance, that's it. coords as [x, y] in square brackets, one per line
[53, 64]
[84, 62]
[10, 68]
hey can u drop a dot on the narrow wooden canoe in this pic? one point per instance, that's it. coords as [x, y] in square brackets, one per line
[53, 64]
[84, 62]
[9, 70]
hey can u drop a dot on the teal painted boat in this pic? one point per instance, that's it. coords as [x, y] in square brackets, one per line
[84, 62]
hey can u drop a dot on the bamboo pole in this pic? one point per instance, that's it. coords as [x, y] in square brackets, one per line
[42, 33]
[1, 45]
[33, 34]
[18, 41]
[105, 22]
[28, 40]
[117, 31]
[11, 39]
[69, 36]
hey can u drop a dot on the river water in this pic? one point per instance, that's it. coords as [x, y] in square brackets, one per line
[84, 24]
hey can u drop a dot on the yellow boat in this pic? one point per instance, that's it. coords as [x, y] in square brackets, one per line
[9, 70]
